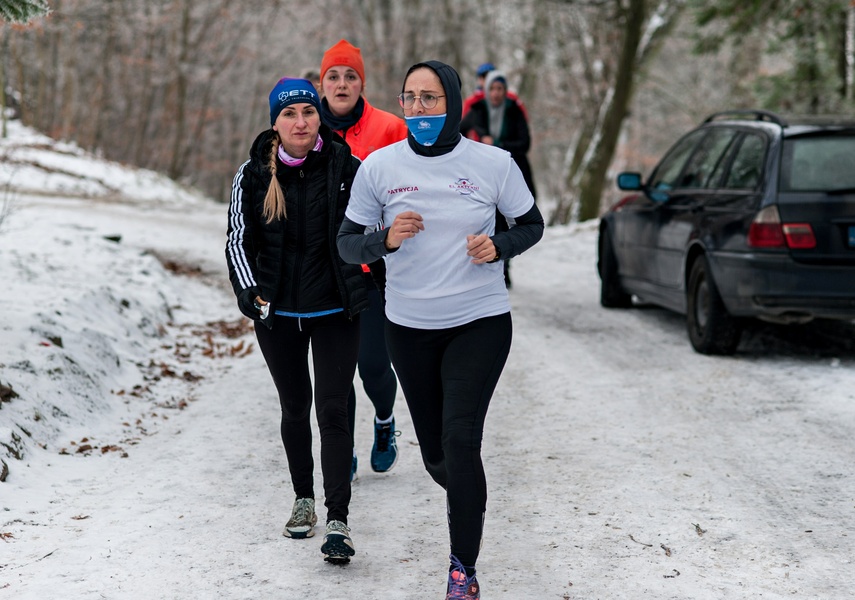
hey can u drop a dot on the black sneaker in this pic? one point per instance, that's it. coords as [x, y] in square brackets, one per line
[337, 546]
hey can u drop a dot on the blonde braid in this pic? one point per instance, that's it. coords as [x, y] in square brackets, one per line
[274, 200]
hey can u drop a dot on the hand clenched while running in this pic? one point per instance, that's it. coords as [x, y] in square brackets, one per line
[480, 248]
[406, 225]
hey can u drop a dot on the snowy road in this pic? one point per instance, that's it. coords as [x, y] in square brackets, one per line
[620, 463]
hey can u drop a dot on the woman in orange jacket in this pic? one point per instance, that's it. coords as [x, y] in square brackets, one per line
[344, 107]
[365, 129]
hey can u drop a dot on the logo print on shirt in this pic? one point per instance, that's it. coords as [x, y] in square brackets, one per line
[464, 186]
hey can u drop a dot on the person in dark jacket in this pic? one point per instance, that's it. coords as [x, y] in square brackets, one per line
[287, 204]
[498, 120]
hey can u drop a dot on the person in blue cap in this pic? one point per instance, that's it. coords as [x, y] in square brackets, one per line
[499, 119]
[287, 203]
[481, 73]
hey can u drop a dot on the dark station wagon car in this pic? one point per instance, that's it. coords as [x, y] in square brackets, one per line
[747, 216]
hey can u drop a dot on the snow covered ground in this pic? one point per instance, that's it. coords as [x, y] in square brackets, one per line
[140, 429]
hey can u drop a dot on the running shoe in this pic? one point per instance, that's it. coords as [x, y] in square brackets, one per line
[461, 587]
[337, 546]
[384, 452]
[303, 518]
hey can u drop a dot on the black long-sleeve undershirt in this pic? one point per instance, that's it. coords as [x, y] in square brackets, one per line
[357, 247]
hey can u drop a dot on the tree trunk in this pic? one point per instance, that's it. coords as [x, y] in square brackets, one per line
[68, 64]
[4, 133]
[453, 32]
[102, 107]
[175, 168]
[534, 51]
[23, 86]
[615, 106]
[640, 38]
[145, 109]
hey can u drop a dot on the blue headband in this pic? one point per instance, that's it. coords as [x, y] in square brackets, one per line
[292, 91]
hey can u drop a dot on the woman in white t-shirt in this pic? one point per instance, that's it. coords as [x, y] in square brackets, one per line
[448, 322]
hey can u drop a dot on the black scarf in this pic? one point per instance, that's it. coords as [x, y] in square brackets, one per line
[341, 123]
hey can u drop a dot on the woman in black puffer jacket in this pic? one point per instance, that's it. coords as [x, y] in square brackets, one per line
[287, 203]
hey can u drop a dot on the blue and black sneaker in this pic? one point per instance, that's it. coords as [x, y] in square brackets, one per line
[384, 452]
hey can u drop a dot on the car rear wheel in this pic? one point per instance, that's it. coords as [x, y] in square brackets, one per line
[612, 294]
[712, 330]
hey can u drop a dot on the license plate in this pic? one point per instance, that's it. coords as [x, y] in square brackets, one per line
[852, 236]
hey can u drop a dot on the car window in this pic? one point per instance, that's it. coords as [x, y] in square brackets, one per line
[818, 163]
[747, 165]
[701, 166]
[666, 174]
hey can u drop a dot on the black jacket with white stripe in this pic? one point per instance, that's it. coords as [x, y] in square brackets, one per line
[295, 261]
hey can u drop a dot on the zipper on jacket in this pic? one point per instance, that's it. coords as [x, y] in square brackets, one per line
[301, 236]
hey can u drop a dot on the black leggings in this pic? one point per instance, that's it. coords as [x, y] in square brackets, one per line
[448, 377]
[375, 370]
[335, 344]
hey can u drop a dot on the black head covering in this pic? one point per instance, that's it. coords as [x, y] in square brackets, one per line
[449, 136]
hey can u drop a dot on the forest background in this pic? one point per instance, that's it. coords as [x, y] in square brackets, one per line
[180, 86]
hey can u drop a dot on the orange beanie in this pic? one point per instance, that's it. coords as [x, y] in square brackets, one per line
[343, 53]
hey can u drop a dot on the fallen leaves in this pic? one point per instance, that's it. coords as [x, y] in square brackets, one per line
[179, 268]
[86, 448]
[215, 349]
[666, 549]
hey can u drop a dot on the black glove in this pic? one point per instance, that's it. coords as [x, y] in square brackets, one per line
[246, 302]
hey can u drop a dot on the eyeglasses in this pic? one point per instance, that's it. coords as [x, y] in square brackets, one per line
[428, 101]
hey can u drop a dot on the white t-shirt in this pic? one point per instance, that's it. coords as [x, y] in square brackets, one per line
[431, 282]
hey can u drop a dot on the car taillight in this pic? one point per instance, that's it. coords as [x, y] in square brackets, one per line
[767, 231]
[799, 236]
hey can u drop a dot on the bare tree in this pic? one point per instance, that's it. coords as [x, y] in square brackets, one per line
[638, 32]
[180, 86]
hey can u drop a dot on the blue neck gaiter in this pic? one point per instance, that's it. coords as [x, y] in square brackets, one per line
[425, 128]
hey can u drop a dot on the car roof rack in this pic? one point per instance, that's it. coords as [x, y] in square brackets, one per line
[758, 115]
